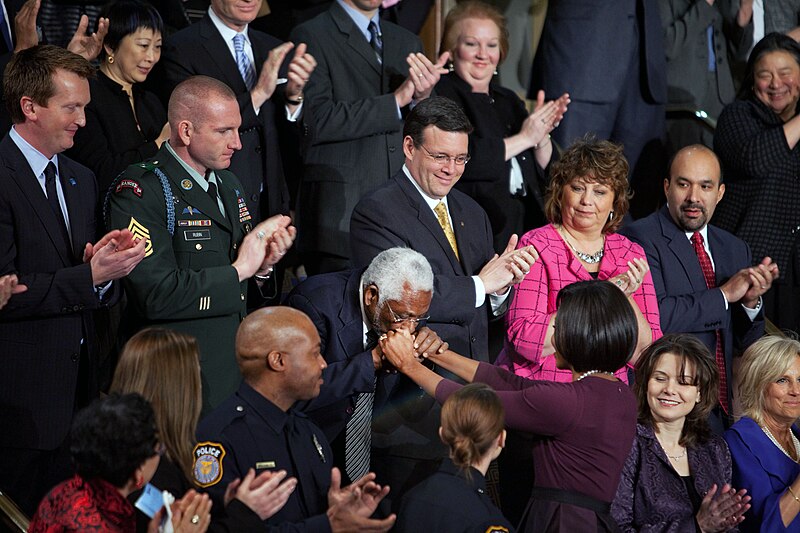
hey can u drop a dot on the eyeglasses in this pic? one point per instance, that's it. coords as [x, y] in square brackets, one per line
[443, 159]
[396, 320]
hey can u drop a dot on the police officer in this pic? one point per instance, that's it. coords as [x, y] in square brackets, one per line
[200, 249]
[278, 351]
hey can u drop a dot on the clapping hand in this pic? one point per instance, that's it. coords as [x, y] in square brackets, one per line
[630, 280]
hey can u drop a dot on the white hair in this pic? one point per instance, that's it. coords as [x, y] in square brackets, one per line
[396, 270]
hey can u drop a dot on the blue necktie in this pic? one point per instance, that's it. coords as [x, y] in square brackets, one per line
[376, 40]
[243, 62]
[4, 28]
[712, 58]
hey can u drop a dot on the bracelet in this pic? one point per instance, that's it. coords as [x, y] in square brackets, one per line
[263, 277]
[792, 493]
[297, 100]
[544, 142]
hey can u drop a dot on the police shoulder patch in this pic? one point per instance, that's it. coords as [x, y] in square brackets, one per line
[207, 466]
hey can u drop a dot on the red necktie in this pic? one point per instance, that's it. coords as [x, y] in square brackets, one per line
[711, 282]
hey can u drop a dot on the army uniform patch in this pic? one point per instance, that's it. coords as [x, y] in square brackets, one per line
[141, 232]
[207, 466]
[186, 184]
[129, 184]
[189, 210]
[205, 222]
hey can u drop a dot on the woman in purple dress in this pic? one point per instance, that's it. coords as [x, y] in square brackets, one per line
[587, 425]
[677, 476]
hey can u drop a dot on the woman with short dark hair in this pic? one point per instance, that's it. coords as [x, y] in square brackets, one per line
[587, 425]
[115, 449]
[677, 476]
[125, 124]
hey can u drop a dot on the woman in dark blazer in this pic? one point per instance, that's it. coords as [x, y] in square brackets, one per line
[758, 143]
[124, 123]
[510, 150]
[677, 476]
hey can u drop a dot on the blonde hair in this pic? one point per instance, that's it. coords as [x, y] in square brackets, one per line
[763, 362]
[472, 418]
[472, 10]
[163, 366]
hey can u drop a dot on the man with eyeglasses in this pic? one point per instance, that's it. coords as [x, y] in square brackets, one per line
[351, 310]
[419, 209]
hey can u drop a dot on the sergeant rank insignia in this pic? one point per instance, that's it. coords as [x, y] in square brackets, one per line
[207, 467]
[141, 232]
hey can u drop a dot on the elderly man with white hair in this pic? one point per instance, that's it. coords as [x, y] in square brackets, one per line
[351, 310]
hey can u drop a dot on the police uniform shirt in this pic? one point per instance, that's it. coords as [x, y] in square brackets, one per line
[248, 431]
[449, 502]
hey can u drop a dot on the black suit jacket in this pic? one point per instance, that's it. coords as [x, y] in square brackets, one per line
[200, 49]
[356, 143]
[397, 215]
[586, 44]
[685, 304]
[41, 330]
[331, 301]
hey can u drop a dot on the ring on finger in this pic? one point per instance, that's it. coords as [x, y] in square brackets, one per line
[196, 519]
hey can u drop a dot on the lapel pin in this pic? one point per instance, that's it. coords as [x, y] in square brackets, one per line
[186, 184]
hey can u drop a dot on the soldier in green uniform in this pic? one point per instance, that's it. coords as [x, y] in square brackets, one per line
[202, 248]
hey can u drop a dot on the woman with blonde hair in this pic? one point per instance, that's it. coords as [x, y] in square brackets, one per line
[454, 498]
[164, 367]
[764, 442]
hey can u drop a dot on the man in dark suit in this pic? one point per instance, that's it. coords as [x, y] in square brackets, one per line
[419, 209]
[211, 48]
[47, 225]
[368, 73]
[609, 57]
[724, 312]
[350, 310]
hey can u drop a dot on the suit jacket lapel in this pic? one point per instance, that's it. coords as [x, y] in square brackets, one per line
[462, 227]
[21, 173]
[428, 219]
[351, 333]
[217, 50]
[682, 249]
[355, 39]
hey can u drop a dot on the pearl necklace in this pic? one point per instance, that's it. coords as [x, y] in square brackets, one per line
[586, 258]
[796, 443]
[590, 372]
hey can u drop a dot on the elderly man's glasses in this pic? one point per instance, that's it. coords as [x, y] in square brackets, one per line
[443, 159]
[396, 320]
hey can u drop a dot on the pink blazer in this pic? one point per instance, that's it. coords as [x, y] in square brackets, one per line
[535, 300]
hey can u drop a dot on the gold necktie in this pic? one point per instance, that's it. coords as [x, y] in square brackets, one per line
[444, 222]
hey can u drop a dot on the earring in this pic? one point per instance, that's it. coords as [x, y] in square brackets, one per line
[450, 67]
[611, 216]
[110, 59]
[495, 72]
[139, 481]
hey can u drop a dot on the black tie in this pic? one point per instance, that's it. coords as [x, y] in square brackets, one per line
[52, 198]
[212, 190]
[376, 41]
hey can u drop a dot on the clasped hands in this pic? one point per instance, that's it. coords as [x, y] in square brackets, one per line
[264, 246]
[424, 342]
[630, 280]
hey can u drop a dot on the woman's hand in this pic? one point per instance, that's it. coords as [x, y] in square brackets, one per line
[722, 511]
[398, 348]
[630, 280]
[544, 119]
[192, 513]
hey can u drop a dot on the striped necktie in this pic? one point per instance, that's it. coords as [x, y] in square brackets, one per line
[243, 62]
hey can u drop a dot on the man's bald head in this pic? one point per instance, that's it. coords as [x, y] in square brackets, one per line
[280, 345]
[192, 98]
[693, 187]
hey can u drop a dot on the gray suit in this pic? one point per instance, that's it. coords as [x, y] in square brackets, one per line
[357, 143]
